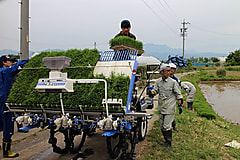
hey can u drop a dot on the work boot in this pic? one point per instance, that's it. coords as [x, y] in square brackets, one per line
[163, 143]
[189, 105]
[168, 135]
[7, 153]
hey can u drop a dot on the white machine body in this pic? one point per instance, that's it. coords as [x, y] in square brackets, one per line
[116, 67]
[57, 82]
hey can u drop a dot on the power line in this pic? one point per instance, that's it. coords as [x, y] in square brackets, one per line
[214, 32]
[169, 13]
[172, 30]
[160, 8]
[170, 8]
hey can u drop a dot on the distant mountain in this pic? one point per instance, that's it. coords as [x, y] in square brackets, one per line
[8, 51]
[13, 52]
[50, 50]
[163, 51]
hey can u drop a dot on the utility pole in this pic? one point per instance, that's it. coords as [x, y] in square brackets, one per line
[183, 31]
[95, 45]
[24, 30]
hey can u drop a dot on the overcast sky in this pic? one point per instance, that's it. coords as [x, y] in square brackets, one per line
[66, 24]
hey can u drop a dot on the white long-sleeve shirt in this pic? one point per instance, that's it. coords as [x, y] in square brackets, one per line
[190, 89]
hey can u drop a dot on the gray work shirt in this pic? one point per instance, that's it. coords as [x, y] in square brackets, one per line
[169, 92]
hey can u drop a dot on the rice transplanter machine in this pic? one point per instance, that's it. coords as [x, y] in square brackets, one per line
[122, 129]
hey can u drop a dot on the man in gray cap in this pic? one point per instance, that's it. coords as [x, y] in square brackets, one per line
[168, 92]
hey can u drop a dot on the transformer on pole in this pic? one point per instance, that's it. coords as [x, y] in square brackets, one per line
[24, 30]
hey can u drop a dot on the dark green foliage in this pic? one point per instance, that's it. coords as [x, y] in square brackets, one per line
[124, 40]
[205, 60]
[233, 68]
[217, 64]
[142, 70]
[233, 58]
[189, 68]
[204, 76]
[23, 90]
[214, 59]
[118, 87]
[221, 72]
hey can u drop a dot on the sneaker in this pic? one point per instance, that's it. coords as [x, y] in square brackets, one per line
[22, 131]
[11, 154]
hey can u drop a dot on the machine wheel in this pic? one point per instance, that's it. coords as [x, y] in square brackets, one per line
[122, 146]
[142, 126]
[54, 141]
[80, 139]
[114, 146]
[68, 136]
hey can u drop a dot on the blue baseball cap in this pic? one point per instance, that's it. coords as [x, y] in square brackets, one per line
[125, 24]
[5, 58]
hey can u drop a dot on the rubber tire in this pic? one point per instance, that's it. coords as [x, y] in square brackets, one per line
[142, 124]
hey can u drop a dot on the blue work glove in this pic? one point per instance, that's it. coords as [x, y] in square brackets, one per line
[180, 108]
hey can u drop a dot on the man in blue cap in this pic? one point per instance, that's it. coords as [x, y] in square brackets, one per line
[172, 75]
[8, 71]
[125, 31]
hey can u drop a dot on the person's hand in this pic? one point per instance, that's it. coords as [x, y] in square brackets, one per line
[33, 55]
[180, 108]
[152, 94]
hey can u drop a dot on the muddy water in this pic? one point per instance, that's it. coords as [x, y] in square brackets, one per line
[224, 99]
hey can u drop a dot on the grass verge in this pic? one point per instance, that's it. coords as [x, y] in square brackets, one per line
[198, 137]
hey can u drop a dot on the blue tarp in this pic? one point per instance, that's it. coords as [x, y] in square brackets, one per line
[203, 64]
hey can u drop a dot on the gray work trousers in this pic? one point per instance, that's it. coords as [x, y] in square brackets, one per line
[165, 121]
